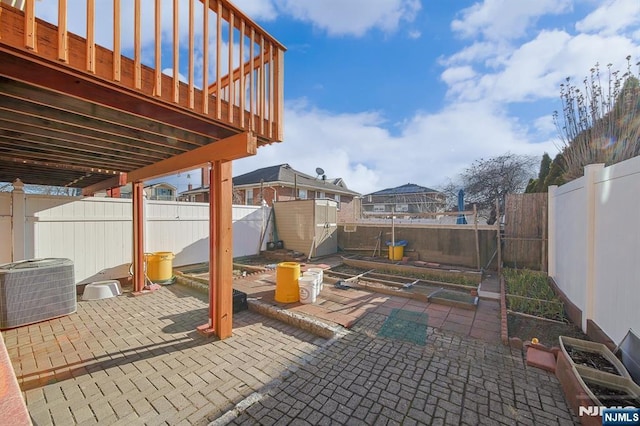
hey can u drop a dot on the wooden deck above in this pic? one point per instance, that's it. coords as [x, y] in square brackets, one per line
[73, 113]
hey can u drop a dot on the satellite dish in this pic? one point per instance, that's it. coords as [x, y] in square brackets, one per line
[319, 171]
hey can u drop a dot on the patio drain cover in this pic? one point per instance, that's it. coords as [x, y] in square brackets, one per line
[405, 325]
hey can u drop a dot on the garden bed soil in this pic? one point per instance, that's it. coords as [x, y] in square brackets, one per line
[612, 397]
[547, 332]
[591, 359]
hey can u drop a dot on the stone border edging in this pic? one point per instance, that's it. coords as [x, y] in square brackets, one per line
[295, 319]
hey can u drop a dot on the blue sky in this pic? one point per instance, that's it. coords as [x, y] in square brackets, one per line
[387, 92]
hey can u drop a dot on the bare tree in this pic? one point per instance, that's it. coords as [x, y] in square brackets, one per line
[487, 180]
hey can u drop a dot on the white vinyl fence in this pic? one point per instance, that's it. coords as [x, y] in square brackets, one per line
[96, 233]
[594, 245]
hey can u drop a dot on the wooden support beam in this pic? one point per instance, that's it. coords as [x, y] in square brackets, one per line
[138, 236]
[220, 252]
[232, 148]
[222, 183]
[112, 182]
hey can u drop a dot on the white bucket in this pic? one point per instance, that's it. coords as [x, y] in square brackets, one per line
[320, 272]
[307, 285]
[316, 278]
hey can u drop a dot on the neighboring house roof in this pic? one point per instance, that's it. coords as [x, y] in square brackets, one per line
[161, 185]
[409, 188]
[195, 190]
[283, 174]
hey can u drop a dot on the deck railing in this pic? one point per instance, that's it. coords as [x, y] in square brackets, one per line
[204, 55]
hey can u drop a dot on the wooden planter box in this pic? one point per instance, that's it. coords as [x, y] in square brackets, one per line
[611, 381]
[592, 347]
[578, 394]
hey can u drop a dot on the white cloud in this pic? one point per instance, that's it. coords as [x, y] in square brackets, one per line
[611, 17]
[430, 147]
[535, 69]
[351, 17]
[456, 75]
[482, 52]
[262, 10]
[505, 19]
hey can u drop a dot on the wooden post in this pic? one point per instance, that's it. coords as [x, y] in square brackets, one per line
[230, 88]
[157, 88]
[224, 261]
[63, 35]
[176, 52]
[91, 36]
[137, 45]
[138, 236]
[475, 225]
[117, 59]
[205, 57]
[30, 25]
[220, 252]
[498, 239]
[218, 59]
[191, 95]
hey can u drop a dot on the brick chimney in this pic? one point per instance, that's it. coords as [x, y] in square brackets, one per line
[205, 176]
[189, 187]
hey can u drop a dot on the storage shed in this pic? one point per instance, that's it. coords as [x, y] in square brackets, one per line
[308, 226]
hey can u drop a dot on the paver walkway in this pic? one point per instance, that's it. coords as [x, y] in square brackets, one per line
[139, 361]
[363, 379]
[346, 307]
[135, 361]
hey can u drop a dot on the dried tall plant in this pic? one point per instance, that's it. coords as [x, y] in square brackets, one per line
[599, 124]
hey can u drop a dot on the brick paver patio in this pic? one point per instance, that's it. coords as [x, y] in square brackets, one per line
[363, 379]
[139, 361]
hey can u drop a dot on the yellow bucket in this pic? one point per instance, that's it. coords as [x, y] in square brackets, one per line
[396, 252]
[160, 265]
[287, 275]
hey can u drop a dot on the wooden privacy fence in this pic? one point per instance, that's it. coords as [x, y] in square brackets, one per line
[525, 231]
